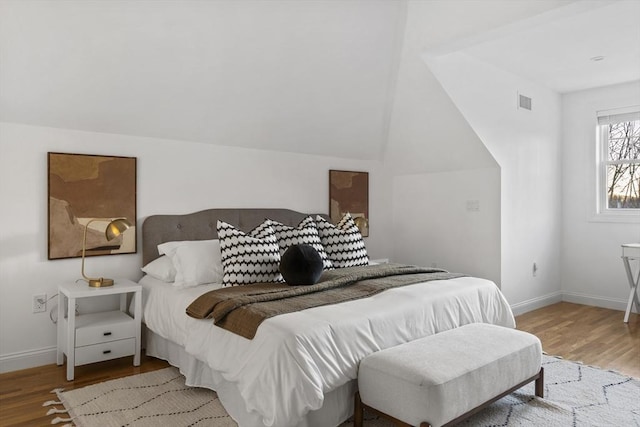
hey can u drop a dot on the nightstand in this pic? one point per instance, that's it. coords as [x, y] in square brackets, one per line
[94, 337]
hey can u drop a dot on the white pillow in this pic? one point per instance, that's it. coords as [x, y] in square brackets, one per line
[196, 261]
[161, 268]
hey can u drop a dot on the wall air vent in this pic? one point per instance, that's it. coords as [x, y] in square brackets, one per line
[524, 102]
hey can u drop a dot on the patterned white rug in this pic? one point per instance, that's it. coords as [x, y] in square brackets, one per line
[575, 395]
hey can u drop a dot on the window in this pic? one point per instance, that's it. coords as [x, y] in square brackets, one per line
[619, 162]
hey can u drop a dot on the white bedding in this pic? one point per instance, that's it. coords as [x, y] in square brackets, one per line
[164, 306]
[296, 359]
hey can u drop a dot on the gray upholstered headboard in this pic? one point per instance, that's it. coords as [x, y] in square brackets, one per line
[201, 225]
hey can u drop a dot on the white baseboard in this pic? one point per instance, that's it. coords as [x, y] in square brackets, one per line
[574, 297]
[610, 303]
[535, 303]
[27, 359]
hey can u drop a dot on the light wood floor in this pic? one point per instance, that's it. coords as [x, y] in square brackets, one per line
[595, 336]
[592, 335]
[22, 393]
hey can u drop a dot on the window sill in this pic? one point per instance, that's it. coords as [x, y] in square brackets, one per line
[629, 218]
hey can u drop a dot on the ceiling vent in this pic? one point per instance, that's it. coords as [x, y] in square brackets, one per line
[524, 102]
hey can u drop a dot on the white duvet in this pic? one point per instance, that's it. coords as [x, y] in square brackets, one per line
[296, 358]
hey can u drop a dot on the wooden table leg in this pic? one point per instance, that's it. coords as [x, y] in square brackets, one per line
[633, 283]
[357, 411]
[540, 384]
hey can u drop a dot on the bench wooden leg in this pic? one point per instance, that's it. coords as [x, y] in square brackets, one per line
[539, 391]
[357, 411]
[540, 384]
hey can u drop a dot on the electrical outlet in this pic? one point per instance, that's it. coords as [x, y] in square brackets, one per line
[39, 303]
[473, 205]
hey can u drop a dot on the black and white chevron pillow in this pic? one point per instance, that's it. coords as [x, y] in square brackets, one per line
[305, 234]
[247, 258]
[342, 242]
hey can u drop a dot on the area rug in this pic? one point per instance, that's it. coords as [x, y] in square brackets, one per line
[152, 399]
[575, 395]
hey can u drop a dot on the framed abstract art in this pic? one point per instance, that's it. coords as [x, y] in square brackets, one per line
[349, 192]
[87, 191]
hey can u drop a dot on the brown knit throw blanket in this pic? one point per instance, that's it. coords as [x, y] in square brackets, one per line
[241, 309]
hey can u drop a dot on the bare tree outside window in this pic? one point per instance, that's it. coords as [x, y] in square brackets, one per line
[622, 163]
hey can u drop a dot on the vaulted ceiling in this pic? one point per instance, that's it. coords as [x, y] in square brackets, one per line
[314, 77]
[309, 76]
[579, 46]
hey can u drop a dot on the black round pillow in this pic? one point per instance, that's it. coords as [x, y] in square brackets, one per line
[301, 265]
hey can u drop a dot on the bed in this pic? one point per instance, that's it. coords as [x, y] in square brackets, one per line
[300, 368]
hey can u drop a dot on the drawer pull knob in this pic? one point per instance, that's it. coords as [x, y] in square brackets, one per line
[106, 334]
[106, 352]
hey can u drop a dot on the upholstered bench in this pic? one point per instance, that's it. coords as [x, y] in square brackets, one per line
[444, 378]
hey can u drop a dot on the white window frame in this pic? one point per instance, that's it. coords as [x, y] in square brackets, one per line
[602, 211]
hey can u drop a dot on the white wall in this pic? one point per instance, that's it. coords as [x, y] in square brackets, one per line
[592, 272]
[440, 159]
[526, 145]
[173, 177]
[433, 227]
[438, 163]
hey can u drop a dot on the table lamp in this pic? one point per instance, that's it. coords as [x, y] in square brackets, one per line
[363, 225]
[115, 228]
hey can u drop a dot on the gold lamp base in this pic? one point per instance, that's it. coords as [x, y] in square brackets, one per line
[100, 283]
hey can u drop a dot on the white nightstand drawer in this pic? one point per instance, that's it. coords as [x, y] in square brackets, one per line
[105, 351]
[102, 327]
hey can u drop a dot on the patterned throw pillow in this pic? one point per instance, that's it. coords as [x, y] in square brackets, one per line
[247, 258]
[305, 234]
[342, 242]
